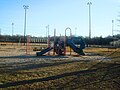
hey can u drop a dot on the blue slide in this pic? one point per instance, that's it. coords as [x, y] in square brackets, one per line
[44, 51]
[75, 48]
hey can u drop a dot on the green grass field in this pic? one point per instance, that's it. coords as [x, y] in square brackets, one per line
[64, 73]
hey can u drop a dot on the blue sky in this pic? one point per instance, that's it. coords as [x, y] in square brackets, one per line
[59, 14]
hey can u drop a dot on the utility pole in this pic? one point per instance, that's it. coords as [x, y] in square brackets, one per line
[89, 3]
[25, 7]
[12, 28]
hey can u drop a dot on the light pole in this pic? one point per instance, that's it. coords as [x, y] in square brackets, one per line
[89, 3]
[25, 7]
[46, 32]
[75, 31]
[112, 26]
[48, 37]
[0, 31]
[12, 28]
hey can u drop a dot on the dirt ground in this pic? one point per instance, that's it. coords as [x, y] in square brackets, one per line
[27, 71]
[19, 55]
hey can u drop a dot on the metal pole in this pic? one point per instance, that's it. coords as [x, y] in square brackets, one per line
[54, 41]
[65, 40]
[65, 43]
[48, 37]
[48, 40]
[46, 32]
[112, 26]
[25, 7]
[89, 3]
[12, 28]
[25, 26]
[0, 31]
[75, 31]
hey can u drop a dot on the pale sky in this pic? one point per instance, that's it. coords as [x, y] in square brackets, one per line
[59, 14]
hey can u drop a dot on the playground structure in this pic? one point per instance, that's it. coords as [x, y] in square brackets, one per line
[59, 47]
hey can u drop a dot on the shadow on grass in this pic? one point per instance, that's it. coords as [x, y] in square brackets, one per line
[28, 66]
[29, 57]
[92, 69]
[45, 79]
[77, 73]
[110, 72]
[115, 57]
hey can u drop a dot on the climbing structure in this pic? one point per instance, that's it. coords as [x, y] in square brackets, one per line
[59, 47]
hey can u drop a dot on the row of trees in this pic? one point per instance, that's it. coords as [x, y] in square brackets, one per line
[92, 41]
